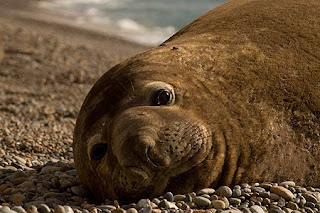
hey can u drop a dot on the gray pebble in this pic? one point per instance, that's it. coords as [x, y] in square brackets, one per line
[257, 189]
[156, 201]
[201, 201]
[274, 196]
[310, 197]
[146, 210]
[168, 196]
[275, 210]
[235, 201]
[43, 208]
[143, 203]
[236, 193]
[188, 198]
[224, 191]
[256, 209]
[19, 209]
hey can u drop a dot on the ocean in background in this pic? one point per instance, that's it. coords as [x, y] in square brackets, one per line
[144, 21]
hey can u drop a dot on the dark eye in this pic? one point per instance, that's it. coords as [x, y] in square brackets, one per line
[98, 151]
[162, 97]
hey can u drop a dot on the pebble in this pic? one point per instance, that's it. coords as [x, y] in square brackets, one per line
[288, 183]
[218, 204]
[224, 191]
[310, 197]
[201, 201]
[132, 210]
[168, 196]
[43, 208]
[143, 203]
[19, 209]
[282, 192]
[235, 201]
[59, 209]
[206, 191]
[256, 209]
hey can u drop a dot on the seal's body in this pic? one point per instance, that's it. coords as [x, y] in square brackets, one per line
[233, 97]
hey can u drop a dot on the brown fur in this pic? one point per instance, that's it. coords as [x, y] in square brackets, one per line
[246, 80]
[1, 50]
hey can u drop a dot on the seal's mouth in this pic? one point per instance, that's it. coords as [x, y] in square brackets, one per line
[139, 173]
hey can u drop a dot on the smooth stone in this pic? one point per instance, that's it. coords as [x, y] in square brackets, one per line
[167, 205]
[6, 209]
[32, 209]
[109, 207]
[77, 190]
[224, 191]
[59, 209]
[265, 185]
[201, 201]
[256, 209]
[235, 201]
[118, 210]
[131, 205]
[146, 210]
[274, 196]
[274, 210]
[188, 198]
[156, 201]
[168, 196]
[132, 210]
[316, 195]
[179, 197]
[257, 189]
[226, 201]
[231, 211]
[288, 183]
[236, 193]
[143, 203]
[218, 204]
[68, 209]
[43, 208]
[206, 191]
[310, 197]
[19, 209]
[245, 210]
[282, 192]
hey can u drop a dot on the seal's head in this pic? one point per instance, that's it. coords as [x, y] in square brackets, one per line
[143, 130]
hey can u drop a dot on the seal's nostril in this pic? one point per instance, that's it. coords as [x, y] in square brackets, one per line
[154, 159]
[98, 151]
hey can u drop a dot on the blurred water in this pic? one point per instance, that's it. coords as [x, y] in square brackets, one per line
[143, 21]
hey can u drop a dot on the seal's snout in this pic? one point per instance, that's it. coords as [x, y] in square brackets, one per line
[155, 160]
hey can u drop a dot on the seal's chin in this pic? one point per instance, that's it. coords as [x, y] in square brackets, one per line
[133, 180]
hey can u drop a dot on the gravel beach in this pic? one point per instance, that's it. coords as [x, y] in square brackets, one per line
[45, 73]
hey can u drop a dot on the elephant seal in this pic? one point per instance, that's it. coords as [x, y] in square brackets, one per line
[232, 97]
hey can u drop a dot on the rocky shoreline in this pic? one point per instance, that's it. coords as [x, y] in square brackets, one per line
[45, 73]
[55, 187]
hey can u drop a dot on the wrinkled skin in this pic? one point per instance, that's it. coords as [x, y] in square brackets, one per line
[244, 106]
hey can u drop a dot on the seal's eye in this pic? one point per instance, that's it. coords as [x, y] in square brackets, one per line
[162, 97]
[98, 151]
